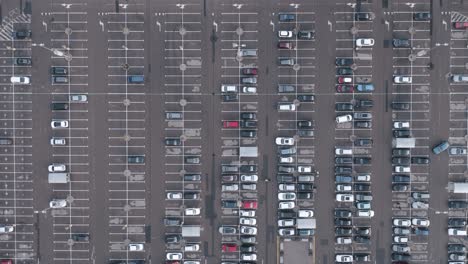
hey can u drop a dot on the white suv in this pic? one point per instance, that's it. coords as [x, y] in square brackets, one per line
[285, 34]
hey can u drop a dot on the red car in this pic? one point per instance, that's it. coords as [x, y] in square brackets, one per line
[248, 204]
[229, 247]
[344, 79]
[6, 261]
[460, 25]
[285, 45]
[249, 71]
[230, 124]
[344, 88]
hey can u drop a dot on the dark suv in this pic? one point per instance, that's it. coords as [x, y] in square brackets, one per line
[21, 34]
[363, 16]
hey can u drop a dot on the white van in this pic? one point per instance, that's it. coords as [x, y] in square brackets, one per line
[286, 107]
[343, 151]
[59, 177]
[192, 247]
[226, 88]
[457, 232]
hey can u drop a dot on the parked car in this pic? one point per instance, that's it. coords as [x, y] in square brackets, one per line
[344, 61]
[422, 16]
[401, 43]
[286, 17]
[458, 151]
[306, 98]
[362, 87]
[402, 79]
[344, 88]
[363, 16]
[285, 34]
[285, 45]
[441, 147]
[365, 42]
[22, 61]
[400, 106]
[302, 34]
[344, 107]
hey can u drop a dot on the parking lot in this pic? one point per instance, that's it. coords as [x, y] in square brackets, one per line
[215, 132]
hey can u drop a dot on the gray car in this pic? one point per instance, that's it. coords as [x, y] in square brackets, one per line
[285, 88]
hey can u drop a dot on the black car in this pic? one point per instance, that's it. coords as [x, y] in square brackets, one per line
[344, 62]
[363, 231]
[305, 124]
[287, 17]
[343, 169]
[80, 237]
[362, 160]
[402, 133]
[363, 124]
[248, 115]
[305, 34]
[344, 107]
[401, 178]
[422, 16]
[136, 159]
[401, 152]
[343, 231]
[458, 204]
[248, 239]
[304, 195]
[456, 222]
[248, 124]
[401, 43]
[305, 133]
[364, 103]
[361, 187]
[21, 34]
[248, 133]
[172, 142]
[401, 161]
[191, 196]
[248, 248]
[173, 239]
[286, 214]
[59, 79]
[344, 71]
[400, 106]
[301, 187]
[363, 142]
[343, 222]
[399, 256]
[362, 239]
[22, 61]
[58, 71]
[248, 168]
[363, 16]
[400, 187]
[420, 160]
[306, 98]
[229, 204]
[361, 257]
[343, 213]
[343, 160]
[456, 248]
[59, 106]
[231, 97]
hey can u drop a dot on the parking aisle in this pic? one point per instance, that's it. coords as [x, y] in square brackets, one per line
[182, 93]
[411, 119]
[16, 194]
[126, 121]
[353, 134]
[68, 34]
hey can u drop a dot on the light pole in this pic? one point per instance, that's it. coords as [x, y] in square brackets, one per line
[55, 51]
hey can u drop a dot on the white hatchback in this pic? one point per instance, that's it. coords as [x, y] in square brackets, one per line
[20, 79]
[192, 211]
[55, 167]
[284, 141]
[58, 203]
[365, 42]
[285, 34]
[59, 124]
[402, 79]
[344, 118]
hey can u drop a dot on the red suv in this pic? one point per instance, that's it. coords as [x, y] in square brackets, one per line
[230, 124]
[460, 25]
[229, 247]
[285, 45]
[248, 204]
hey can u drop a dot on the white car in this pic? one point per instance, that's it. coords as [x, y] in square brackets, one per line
[249, 257]
[58, 141]
[136, 247]
[286, 223]
[343, 151]
[248, 230]
[343, 188]
[286, 160]
[343, 240]
[58, 203]
[20, 79]
[365, 213]
[174, 195]
[399, 124]
[249, 178]
[286, 205]
[174, 256]
[419, 205]
[344, 118]
[341, 197]
[401, 222]
[289, 196]
[363, 177]
[365, 42]
[229, 187]
[402, 169]
[286, 232]
[285, 34]
[286, 187]
[78, 98]
[402, 79]
[247, 213]
[346, 79]
[192, 211]
[420, 222]
[55, 167]
[59, 124]
[249, 89]
[248, 221]
[305, 213]
[343, 258]
[400, 239]
[284, 141]
[6, 229]
[304, 169]
[191, 248]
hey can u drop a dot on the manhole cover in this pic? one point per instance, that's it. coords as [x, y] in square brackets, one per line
[296, 67]
[127, 173]
[411, 30]
[68, 31]
[412, 57]
[182, 31]
[126, 137]
[182, 172]
[182, 67]
[354, 30]
[183, 102]
[126, 102]
[125, 31]
[239, 31]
